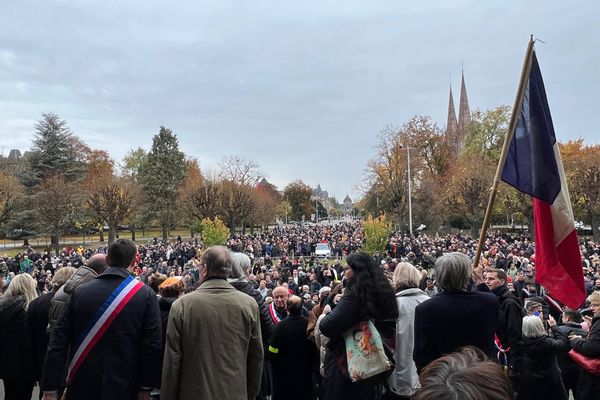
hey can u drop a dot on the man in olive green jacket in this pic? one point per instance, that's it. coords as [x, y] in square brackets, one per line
[213, 347]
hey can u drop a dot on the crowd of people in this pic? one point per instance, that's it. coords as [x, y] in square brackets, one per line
[264, 317]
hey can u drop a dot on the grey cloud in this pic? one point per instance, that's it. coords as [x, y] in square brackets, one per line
[302, 88]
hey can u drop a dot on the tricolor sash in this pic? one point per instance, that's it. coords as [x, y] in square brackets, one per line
[103, 318]
[274, 315]
[502, 353]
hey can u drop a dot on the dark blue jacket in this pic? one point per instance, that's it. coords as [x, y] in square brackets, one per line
[449, 321]
[128, 356]
[540, 377]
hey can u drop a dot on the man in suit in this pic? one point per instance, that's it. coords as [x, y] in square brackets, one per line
[213, 348]
[293, 356]
[124, 364]
[456, 317]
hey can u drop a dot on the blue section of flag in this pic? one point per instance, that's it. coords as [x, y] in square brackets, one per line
[101, 310]
[530, 164]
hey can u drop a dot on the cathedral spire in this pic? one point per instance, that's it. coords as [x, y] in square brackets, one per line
[464, 114]
[452, 125]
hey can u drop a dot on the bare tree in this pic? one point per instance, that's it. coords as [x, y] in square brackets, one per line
[204, 201]
[112, 204]
[386, 174]
[237, 203]
[239, 170]
[57, 205]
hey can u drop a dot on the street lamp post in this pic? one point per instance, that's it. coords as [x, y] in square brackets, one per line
[410, 222]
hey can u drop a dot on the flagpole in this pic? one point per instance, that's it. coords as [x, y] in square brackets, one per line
[509, 135]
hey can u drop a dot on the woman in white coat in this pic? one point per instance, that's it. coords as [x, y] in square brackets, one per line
[404, 381]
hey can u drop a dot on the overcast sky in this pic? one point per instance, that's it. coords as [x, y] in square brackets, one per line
[301, 87]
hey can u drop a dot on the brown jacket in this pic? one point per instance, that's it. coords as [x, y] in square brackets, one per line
[213, 348]
[313, 316]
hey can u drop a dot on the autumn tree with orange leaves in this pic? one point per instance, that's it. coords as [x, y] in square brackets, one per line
[582, 167]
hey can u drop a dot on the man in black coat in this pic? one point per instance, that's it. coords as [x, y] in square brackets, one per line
[455, 317]
[569, 369]
[125, 362]
[293, 356]
[510, 318]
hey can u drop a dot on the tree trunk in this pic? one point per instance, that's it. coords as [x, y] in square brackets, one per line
[112, 233]
[232, 226]
[595, 222]
[25, 242]
[252, 228]
[54, 242]
[132, 234]
[191, 232]
[475, 229]
[165, 232]
[102, 236]
[531, 227]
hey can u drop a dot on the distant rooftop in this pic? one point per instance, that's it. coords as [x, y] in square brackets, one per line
[14, 154]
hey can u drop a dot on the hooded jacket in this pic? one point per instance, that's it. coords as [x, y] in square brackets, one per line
[16, 343]
[404, 381]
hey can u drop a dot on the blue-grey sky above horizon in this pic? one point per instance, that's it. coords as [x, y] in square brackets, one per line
[302, 88]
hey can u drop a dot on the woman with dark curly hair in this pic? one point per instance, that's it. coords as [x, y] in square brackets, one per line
[368, 295]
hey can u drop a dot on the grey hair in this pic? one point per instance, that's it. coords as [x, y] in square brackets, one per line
[453, 271]
[406, 275]
[533, 327]
[240, 263]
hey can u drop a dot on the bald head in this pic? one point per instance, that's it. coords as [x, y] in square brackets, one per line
[280, 297]
[97, 263]
[294, 306]
[281, 290]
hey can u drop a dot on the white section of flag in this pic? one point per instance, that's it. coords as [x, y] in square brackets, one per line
[562, 212]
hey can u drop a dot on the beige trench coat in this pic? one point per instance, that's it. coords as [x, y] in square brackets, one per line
[213, 347]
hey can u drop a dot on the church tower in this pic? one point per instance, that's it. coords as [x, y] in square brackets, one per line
[457, 130]
[464, 113]
[452, 125]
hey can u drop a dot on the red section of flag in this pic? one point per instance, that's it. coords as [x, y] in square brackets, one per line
[557, 267]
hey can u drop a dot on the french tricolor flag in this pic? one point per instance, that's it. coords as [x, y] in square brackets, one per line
[533, 166]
